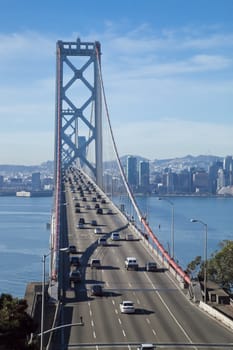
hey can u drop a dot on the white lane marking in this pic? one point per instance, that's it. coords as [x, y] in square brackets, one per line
[123, 333]
[92, 323]
[113, 301]
[147, 320]
[90, 311]
[94, 335]
[119, 320]
[171, 314]
[154, 332]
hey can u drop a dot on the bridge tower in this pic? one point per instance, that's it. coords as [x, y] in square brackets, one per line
[78, 108]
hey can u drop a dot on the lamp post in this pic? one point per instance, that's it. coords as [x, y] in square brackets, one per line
[172, 226]
[205, 255]
[43, 295]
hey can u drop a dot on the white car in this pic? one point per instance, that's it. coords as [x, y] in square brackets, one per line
[127, 307]
[97, 230]
[146, 347]
[115, 236]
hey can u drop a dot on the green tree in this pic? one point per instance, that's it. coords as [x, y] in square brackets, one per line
[220, 266]
[16, 325]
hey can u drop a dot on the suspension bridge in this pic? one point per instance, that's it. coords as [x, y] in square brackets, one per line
[87, 164]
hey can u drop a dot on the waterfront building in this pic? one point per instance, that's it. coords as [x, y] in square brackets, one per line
[201, 181]
[131, 171]
[227, 166]
[36, 182]
[183, 182]
[144, 174]
[221, 180]
[1, 181]
[213, 175]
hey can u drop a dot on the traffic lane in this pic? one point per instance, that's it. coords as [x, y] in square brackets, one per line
[108, 222]
[134, 286]
[100, 323]
[85, 237]
[161, 278]
[196, 324]
[108, 326]
[134, 254]
[136, 280]
[199, 326]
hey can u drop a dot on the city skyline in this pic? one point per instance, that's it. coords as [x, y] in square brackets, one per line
[167, 73]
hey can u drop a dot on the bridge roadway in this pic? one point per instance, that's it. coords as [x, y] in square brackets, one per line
[163, 313]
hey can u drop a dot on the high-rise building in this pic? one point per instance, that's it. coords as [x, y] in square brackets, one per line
[132, 174]
[36, 182]
[144, 174]
[228, 166]
[1, 181]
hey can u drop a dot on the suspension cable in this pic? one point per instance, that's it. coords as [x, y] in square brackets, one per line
[128, 189]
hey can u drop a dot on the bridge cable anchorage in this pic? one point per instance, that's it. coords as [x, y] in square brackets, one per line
[141, 218]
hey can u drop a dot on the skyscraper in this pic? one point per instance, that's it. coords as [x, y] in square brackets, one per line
[144, 174]
[36, 182]
[132, 174]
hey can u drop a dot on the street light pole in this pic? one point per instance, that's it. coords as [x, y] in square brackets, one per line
[43, 302]
[205, 255]
[172, 226]
[43, 296]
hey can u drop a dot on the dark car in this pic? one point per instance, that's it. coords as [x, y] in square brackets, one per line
[93, 223]
[72, 249]
[82, 221]
[97, 290]
[151, 266]
[99, 211]
[74, 261]
[75, 276]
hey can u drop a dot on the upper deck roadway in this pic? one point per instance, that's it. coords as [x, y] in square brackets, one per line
[164, 315]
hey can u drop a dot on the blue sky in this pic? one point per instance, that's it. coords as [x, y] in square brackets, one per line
[167, 68]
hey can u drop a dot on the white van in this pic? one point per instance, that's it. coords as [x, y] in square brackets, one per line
[115, 236]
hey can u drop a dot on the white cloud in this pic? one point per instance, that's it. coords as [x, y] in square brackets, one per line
[148, 76]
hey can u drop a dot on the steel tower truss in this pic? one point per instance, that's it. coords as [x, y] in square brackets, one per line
[78, 107]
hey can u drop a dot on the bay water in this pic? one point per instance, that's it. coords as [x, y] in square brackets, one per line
[24, 237]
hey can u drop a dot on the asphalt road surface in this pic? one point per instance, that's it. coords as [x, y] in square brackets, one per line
[163, 314]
